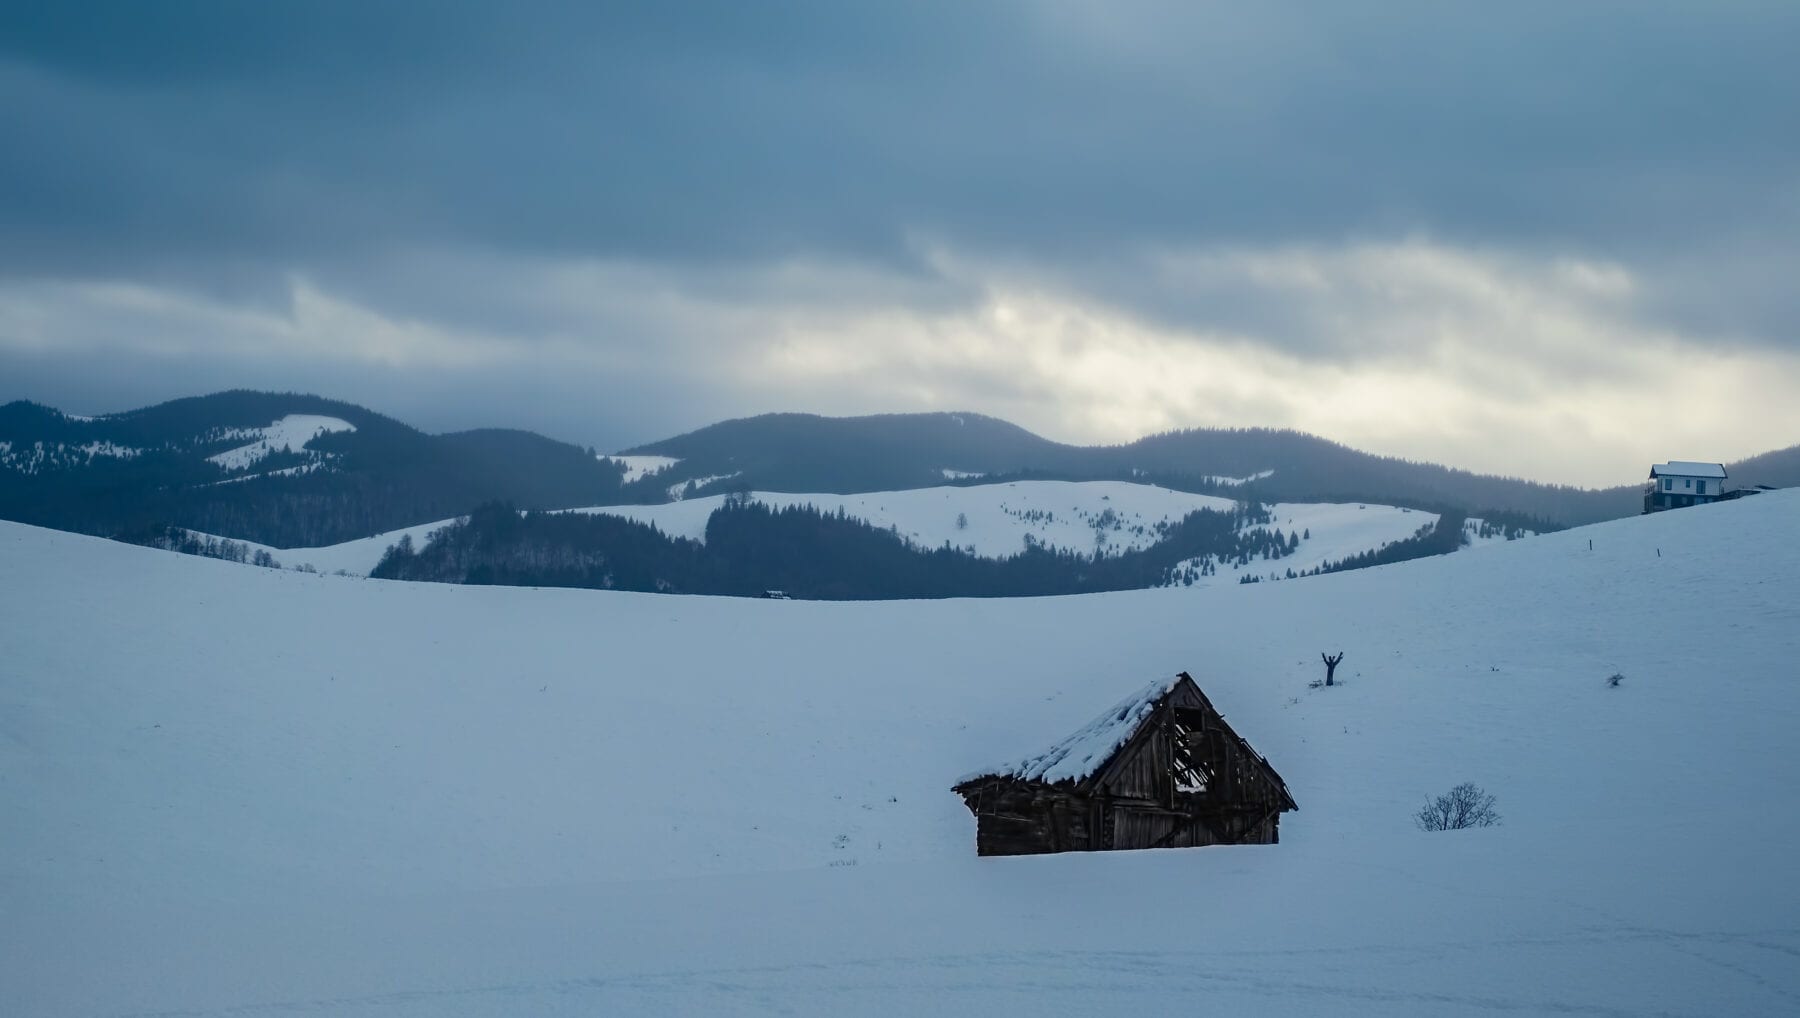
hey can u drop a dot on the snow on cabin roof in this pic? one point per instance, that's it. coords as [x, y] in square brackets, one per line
[1077, 757]
[1687, 468]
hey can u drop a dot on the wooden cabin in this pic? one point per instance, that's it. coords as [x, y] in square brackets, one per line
[1161, 769]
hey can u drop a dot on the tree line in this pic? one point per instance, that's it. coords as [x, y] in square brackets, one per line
[805, 552]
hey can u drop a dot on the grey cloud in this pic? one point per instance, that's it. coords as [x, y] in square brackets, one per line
[743, 130]
[465, 164]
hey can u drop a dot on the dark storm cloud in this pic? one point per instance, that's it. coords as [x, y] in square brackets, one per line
[142, 133]
[615, 221]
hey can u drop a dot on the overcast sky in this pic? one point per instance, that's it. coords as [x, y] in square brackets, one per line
[1555, 240]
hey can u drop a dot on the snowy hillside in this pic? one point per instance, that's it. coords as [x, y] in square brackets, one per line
[992, 520]
[291, 432]
[354, 558]
[283, 469]
[257, 792]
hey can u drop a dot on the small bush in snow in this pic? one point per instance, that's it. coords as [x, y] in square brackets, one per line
[1615, 678]
[1466, 805]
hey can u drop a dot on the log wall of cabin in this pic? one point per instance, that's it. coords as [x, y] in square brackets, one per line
[1017, 818]
[1023, 819]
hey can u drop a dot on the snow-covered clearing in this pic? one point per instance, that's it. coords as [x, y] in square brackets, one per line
[993, 519]
[641, 466]
[252, 792]
[679, 489]
[290, 432]
[1496, 534]
[1332, 532]
[1238, 482]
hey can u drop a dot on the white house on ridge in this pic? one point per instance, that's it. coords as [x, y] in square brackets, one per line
[1680, 483]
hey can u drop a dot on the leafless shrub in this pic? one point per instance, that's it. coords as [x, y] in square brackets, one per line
[1466, 805]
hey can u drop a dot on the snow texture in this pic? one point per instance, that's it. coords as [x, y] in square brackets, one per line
[290, 432]
[248, 792]
[1078, 756]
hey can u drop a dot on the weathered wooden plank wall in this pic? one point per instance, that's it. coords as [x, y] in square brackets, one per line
[1135, 800]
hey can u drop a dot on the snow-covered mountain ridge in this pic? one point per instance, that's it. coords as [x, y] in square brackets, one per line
[256, 792]
[385, 475]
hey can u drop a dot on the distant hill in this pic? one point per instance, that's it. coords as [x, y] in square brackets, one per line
[290, 470]
[802, 452]
[885, 452]
[228, 464]
[1778, 469]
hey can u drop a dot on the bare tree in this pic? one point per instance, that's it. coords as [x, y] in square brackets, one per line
[1331, 664]
[1466, 805]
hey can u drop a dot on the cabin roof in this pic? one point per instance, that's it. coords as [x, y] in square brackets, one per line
[1687, 468]
[1082, 753]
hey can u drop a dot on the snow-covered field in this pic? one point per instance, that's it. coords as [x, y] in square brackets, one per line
[994, 520]
[356, 558]
[1333, 531]
[248, 792]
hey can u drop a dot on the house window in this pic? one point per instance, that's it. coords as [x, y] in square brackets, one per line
[1668, 484]
[1687, 482]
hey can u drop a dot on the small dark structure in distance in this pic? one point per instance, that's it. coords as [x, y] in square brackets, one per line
[1161, 769]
